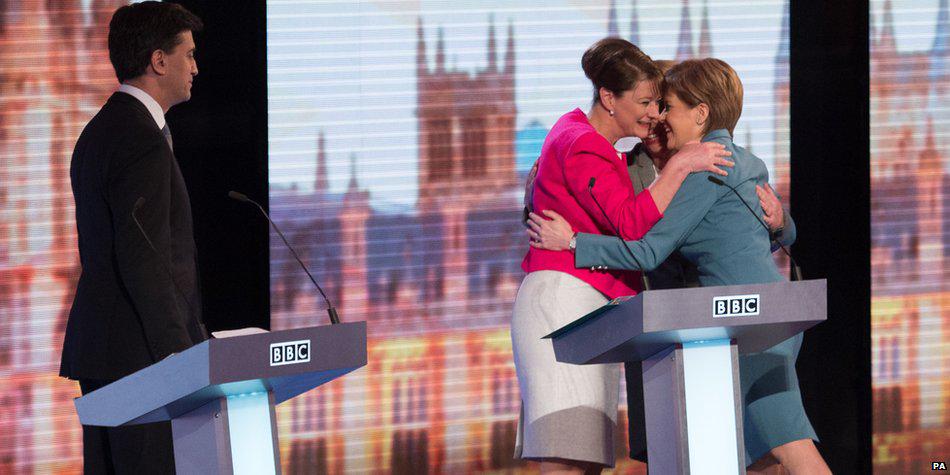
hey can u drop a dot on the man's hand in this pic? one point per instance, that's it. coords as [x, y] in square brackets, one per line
[553, 235]
[529, 193]
[774, 214]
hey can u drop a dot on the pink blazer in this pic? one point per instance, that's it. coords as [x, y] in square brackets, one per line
[572, 153]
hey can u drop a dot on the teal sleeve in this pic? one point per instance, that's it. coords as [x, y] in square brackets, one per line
[691, 203]
[789, 232]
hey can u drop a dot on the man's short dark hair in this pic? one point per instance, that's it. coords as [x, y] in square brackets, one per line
[139, 29]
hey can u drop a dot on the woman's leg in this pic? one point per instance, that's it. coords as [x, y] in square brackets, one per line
[767, 465]
[569, 412]
[573, 467]
[775, 424]
[801, 457]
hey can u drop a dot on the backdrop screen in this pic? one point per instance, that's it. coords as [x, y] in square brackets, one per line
[910, 225]
[54, 76]
[400, 134]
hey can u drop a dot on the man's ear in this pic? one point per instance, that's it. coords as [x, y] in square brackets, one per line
[157, 62]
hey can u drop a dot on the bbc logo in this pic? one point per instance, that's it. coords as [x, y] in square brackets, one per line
[289, 352]
[736, 306]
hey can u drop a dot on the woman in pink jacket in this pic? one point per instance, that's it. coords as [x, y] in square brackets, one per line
[569, 412]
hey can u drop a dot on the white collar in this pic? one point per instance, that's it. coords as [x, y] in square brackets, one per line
[151, 104]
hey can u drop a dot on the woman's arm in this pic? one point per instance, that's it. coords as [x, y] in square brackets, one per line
[789, 232]
[693, 157]
[632, 214]
[695, 198]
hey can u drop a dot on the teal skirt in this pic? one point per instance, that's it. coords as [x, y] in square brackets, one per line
[773, 413]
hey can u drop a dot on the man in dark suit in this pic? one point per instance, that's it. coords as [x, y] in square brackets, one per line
[138, 299]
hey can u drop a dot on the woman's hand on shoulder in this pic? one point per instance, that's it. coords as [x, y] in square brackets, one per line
[552, 234]
[702, 157]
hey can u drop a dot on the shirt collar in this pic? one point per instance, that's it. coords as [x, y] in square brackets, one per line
[151, 104]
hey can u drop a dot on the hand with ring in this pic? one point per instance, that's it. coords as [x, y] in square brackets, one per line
[553, 234]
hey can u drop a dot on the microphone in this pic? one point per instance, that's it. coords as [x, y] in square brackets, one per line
[643, 272]
[796, 271]
[234, 195]
[135, 210]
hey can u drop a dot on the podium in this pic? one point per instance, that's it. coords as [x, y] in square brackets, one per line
[689, 341]
[220, 394]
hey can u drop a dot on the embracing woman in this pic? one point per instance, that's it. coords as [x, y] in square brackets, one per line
[569, 412]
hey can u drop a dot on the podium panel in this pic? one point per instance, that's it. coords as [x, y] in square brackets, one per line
[220, 394]
[689, 341]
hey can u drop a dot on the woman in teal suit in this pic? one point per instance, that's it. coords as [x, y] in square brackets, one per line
[711, 227]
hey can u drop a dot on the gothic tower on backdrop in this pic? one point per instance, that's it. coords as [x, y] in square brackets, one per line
[940, 52]
[320, 185]
[930, 201]
[780, 90]
[612, 30]
[705, 35]
[884, 64]
[685, 48]
[466, 144]
[353, 217]
[939, 76]
[466, 126]
[634, 24]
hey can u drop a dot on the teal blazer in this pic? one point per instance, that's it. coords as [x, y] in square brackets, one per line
[707, 224]
[713, 229]
[677, 272]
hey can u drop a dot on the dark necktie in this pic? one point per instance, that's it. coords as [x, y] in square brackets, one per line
[168, 137]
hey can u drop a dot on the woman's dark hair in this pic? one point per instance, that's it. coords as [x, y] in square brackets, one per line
[137, 30]
[617, 65]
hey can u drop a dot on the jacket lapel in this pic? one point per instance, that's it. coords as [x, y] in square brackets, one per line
[640, 168]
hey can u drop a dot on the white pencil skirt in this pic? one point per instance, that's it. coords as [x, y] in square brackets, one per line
[567, 411]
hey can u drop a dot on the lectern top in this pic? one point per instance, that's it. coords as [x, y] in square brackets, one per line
[757, 316]
[286, 362]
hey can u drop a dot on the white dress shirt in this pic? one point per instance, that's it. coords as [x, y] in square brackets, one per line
[151, 104]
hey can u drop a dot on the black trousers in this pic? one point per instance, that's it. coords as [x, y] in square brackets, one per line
[636, 417]
[139, 449]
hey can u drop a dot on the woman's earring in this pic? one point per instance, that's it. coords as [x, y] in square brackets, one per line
[611, 112]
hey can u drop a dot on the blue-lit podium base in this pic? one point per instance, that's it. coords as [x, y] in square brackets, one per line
[690, 360]
[236, 434]
[220, 395]
[693, 409]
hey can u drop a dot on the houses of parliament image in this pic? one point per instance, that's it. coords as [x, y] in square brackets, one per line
[436, 280]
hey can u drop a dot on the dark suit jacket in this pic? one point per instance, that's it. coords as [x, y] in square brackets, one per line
[127, 312]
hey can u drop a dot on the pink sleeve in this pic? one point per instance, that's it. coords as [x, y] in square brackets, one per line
[633, 215]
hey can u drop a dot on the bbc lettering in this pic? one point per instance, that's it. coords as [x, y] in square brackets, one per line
[289, 352]
[736, 306]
